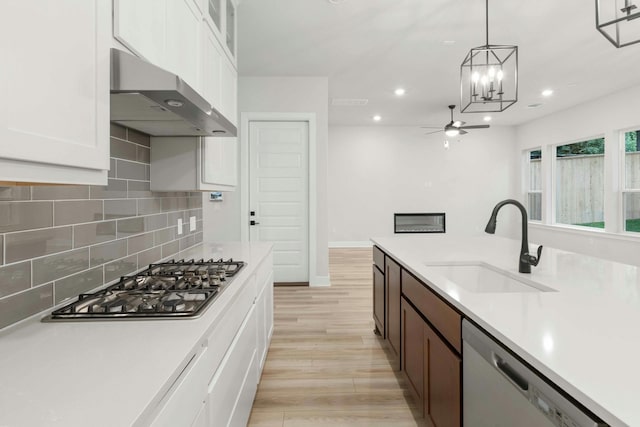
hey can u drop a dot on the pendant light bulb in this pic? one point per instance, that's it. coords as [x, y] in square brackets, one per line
[500, 75]
[475, 77]
[452, 132]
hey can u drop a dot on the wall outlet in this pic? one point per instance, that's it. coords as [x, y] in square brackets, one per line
[179, 226]
[192, 223]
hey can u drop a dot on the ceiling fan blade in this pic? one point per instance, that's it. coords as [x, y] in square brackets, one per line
[435, 131]
[462, 132]
[474, 127]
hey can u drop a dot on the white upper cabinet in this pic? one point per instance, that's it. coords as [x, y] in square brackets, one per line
[229, 94]
[140, 26]
[54, 115]
[193, 164]
[195, 39]
[212, 59]
[219, 163]
[183, 41]
[230, 27]
[213, 15]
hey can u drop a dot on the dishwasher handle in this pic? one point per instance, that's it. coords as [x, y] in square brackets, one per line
[510, 373]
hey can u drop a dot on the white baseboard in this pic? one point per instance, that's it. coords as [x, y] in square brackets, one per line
[351, 244]
[319, 281]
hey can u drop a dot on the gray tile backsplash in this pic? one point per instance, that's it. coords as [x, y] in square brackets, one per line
[32, 244]
[72, 286]
[120, 208]
[92, 233]
[15, 193]
[107, 252]
[59, 241]
[15, 277]
[50, 268]
[115, 189]
[132, 170]
[78, 211]
[25, 304]
[63, 192]
[16, 216]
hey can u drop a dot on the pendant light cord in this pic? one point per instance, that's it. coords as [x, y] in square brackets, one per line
[486, 19]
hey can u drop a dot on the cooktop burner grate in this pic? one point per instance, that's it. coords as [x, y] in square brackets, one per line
[173, 289]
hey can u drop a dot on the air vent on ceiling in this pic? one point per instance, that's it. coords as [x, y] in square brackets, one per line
[349, 102]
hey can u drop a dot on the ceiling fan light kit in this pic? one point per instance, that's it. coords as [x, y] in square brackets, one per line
[615, 19]
[489, 76]
[455, 127]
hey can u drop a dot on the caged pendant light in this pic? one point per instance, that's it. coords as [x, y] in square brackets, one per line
[489, 76]
[615, 20]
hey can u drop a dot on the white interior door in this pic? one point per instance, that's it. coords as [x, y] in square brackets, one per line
[279, 194]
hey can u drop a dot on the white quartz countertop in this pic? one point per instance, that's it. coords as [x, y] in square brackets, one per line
[585, 337]
[105, 373]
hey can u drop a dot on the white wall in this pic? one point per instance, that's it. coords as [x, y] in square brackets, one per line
[376, 171]
[280, 95]
[601, 117]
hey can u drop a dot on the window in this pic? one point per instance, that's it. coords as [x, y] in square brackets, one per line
[579, 183]
[534, 185]
[631, 191]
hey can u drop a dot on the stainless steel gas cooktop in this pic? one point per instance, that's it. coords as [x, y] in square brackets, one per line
[173, 289]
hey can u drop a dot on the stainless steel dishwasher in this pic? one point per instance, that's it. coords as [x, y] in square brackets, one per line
[500, 391]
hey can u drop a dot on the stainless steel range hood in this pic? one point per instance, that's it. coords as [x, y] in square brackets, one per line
[154, 101]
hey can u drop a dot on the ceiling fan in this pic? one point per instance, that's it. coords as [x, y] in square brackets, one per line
[454, 128]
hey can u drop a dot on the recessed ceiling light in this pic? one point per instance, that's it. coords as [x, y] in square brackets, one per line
[487, 118]
[400, 91]
[547, 92]
[377, 118]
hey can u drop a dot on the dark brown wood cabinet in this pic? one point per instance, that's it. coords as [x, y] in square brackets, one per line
[379, 292]
[442, 382]
[431, 361]
[392, 278]
[412, 351]
[378, 301]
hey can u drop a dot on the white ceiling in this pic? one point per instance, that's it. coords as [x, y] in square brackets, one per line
[367, 48]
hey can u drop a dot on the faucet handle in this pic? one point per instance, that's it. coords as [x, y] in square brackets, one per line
[532, 260]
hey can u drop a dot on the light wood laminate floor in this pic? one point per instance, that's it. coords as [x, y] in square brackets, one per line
[325, 367]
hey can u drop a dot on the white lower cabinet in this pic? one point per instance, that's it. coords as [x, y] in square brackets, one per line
[219, 382]
[202, 419]
[184, 399]
[264, 307]
[234, 385]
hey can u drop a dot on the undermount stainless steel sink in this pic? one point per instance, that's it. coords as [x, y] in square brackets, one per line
[484, 278]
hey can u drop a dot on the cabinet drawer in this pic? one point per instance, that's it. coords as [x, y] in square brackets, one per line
[444, 318]
[224, 332]
[227, 388]
[185, 397]
[378, 258]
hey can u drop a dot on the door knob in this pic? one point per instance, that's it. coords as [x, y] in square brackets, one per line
[252, 222]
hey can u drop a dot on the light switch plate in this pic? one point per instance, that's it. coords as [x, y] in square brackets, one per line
[192, 223]
[179, 226]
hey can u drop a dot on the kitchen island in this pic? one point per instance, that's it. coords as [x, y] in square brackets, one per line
[582, 333]
[145, 372]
